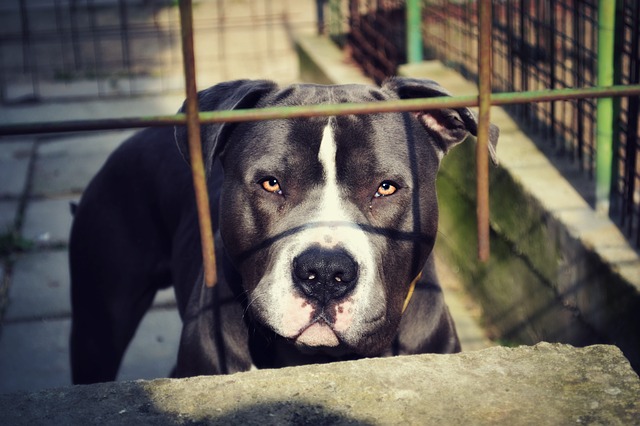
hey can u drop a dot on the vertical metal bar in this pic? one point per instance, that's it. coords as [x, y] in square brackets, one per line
[222, 49]
[482, 149]
[414, 31]
[320, 17]
[97, 46]
[616, 143]
[579, 71]
[60, 31]
[553, 58]
[523, 60]
[336, 20]
[26, 36]
[446, 36]
[195, 145]
[604, 120]
[270, 32]
[511, 29]
[631, 146]
[125, 42]
[29, 62]
[3, 79]
[75, 38]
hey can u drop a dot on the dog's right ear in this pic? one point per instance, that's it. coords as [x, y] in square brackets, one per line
[239, 94]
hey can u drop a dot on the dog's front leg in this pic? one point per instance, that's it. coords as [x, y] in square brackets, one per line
[215, 339]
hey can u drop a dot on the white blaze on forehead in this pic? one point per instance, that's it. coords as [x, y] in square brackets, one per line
[327, 155]
[330, 202]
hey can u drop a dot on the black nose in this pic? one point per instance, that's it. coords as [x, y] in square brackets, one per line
[324, 274]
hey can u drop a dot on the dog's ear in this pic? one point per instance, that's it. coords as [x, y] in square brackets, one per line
[449, 127]
[239, 94]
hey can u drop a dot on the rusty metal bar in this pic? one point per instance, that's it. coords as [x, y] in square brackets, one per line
[485, 52]
[261, 114]
[195, 145]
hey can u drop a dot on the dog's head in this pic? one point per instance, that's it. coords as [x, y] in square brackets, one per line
[329, 219]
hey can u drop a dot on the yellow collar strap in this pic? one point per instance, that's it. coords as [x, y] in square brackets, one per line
[412, 287]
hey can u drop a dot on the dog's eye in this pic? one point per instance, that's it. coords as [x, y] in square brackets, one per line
[271, 184]
[385, 189]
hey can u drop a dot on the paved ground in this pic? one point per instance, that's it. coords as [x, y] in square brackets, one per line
[43, 176]
[39, 177]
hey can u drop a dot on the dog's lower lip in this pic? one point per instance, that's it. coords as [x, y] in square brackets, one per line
[317, 334]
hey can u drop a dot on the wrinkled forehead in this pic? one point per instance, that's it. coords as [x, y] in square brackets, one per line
[383, 137]
[359, 137]
[312, 94]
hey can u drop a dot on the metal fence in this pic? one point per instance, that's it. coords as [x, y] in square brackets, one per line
[377, 36]
[61, 49]
[548, 44]
[540, 45]
[626, 188]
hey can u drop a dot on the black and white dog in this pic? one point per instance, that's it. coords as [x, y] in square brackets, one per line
[324, 226]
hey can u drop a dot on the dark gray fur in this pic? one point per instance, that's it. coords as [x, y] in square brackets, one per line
[135, 229]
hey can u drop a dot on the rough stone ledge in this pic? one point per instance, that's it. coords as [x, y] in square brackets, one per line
[542, 384]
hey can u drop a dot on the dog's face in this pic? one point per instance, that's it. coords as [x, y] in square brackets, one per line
[328, 220]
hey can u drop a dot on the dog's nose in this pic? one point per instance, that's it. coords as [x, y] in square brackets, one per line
[324, 274]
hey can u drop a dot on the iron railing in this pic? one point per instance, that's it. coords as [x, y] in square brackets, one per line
[625, 204]
[537, 45]
[390, 11]
[117, 48]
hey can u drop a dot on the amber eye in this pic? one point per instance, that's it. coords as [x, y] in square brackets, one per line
[271, 184]
[385, 189]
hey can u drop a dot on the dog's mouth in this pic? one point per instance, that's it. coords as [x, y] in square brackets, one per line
[318, 335]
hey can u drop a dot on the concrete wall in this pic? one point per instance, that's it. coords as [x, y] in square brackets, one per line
[558, 272]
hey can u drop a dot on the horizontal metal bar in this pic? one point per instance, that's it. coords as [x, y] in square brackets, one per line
[272, 113]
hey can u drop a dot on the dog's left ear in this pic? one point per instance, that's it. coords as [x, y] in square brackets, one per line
[239, 94]
[449, 127]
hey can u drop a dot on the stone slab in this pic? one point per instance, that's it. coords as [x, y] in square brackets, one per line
[465, 313]
[8, 214]
[94, 109]
[165, 298]
[14, 164]
[66, 165]
[39, 286]
[48, 221]
[541, 385]
[154, 349]
[320, 61]
[34, 354]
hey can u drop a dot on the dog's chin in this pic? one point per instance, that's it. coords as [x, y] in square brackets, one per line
[319, 337]
[318, 334]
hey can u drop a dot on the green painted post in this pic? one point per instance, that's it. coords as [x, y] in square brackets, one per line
[414, 31]
[604, 116]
